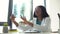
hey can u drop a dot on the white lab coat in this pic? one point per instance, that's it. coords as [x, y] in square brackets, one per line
[44, 27]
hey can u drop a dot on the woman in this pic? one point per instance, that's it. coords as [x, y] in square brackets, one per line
[42, 22]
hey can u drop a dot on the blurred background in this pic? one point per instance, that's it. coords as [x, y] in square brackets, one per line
[26, 8]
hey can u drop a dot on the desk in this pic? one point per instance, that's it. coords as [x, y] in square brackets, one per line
[16, 32]
[28, 33]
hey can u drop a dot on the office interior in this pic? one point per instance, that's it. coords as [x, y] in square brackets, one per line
[17, 7]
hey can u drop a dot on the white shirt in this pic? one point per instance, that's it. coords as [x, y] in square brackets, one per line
[44, 27]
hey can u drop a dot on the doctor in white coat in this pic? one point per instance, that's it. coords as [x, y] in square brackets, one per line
[40, 22]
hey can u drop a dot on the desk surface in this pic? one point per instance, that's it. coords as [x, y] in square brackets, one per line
[28, 33]
[16, 32]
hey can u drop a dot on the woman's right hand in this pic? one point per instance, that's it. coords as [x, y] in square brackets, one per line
[12, 17]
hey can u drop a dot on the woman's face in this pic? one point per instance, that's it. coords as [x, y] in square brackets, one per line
[38, 12]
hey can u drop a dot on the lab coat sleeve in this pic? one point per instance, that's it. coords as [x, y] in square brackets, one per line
[24, 27]
[48, 24]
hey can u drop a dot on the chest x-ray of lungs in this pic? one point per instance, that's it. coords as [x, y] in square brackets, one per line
[21, 8]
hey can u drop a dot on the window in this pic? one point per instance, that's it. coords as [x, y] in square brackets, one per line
[4, 4]
[4, 10]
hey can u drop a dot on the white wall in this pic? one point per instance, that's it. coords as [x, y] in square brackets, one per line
[37, 3]
[53, 8]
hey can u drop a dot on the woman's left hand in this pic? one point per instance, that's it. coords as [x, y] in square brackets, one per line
[24, 19]
[26, 22]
